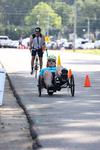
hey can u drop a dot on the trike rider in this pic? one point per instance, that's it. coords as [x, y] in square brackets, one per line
[47, 74]
[37, 45]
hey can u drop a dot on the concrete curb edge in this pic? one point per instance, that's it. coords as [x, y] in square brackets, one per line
[36, 143]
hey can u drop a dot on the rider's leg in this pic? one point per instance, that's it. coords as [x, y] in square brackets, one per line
[40, 54]
[32, 64]
[32, 61]
[41, 62]
[48, 78]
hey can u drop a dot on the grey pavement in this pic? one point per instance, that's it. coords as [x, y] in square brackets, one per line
[14, 126]
[62, 122]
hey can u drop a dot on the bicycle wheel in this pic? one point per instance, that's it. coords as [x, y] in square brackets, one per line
[36, 70]
[36, 67]
[72, 85]
[39, 86]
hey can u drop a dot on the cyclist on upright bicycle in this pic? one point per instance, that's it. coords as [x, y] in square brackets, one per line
[37, 45]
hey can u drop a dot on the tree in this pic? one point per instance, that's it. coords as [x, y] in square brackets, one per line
[88, 11]
[14, 11]
[44, 16]
[66, 12]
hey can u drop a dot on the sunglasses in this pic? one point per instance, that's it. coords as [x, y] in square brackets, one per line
[51, 60]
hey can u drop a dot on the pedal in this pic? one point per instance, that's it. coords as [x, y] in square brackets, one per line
[36, 67]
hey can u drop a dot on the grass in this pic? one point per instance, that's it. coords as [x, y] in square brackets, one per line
[86, 51]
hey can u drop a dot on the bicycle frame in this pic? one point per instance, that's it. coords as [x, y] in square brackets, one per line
[36, 65]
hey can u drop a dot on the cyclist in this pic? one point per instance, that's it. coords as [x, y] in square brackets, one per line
[47, 73]
[37, 45]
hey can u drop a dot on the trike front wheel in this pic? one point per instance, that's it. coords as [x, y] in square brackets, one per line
[39, 86]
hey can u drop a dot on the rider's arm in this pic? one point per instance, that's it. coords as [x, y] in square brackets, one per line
[58, 70]
[42, 72]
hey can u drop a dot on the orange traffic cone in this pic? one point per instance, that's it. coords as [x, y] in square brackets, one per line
[69, 73]
[87, 81]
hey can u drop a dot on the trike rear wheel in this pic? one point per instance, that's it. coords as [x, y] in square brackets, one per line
[72, 85]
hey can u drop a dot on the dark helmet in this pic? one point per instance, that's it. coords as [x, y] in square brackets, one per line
[37, 29]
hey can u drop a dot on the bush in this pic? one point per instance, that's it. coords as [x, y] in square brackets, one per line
[14, 32]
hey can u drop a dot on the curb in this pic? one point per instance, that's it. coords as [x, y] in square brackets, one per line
[36, 144]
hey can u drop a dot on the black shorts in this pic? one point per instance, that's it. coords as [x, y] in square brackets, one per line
[39, 52]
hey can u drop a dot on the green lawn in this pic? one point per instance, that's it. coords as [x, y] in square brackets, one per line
[88, 51]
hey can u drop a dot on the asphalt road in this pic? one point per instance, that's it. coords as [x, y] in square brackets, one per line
[61, 122]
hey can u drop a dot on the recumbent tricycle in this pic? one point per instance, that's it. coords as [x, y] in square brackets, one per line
[58, 82]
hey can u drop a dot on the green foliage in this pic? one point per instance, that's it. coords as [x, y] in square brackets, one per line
[44, 16]
[14, 11]
[88, 11]
[14, 32]
[65, 11]
[2, 29]
[52, 15]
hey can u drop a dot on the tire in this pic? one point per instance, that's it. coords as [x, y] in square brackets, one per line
[35, 73]
[36, 66]
[39, 86]
[72, 85]
[50, 93]
[36, 70]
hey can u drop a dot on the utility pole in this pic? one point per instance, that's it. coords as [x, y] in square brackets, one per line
[48, 25]
[38, 20]
[88, 28]
[75, 24]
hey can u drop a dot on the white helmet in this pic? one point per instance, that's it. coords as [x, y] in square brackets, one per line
[51, 57]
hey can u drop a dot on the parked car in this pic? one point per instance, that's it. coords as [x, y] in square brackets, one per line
[68, 45]
[88, 45]
[4, 41]
[97, 44]
[51, 45]
[25, 42]
[14, 44]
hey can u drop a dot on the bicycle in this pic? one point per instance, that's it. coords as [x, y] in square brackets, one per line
[36, 64]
